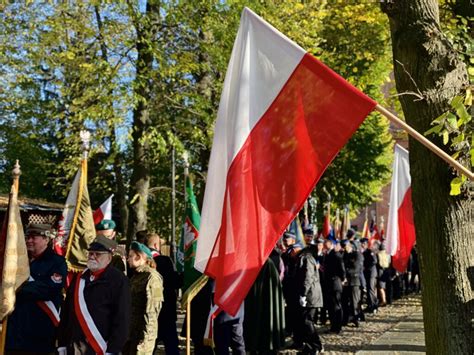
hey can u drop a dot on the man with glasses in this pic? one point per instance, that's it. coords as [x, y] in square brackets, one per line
[96, 315]
[32, 326]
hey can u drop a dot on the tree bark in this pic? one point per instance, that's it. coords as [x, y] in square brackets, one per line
[145, 26]
[425, 62]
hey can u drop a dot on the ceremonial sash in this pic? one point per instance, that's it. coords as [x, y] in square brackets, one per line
[49, 308]
[86, 322]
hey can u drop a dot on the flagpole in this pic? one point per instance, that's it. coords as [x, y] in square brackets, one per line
[188, 302]
[427, 143]
[16, 183]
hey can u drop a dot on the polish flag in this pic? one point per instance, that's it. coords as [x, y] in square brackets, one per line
[104, 211]
[282, 119]
[400, 228]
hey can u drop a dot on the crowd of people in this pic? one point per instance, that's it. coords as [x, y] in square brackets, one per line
[113, 307]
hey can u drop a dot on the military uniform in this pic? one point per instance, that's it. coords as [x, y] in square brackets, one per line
[335, 274]
[29, 327]
[147, 297]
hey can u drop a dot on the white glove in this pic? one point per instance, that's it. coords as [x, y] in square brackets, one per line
[303, 301]
[62, 350]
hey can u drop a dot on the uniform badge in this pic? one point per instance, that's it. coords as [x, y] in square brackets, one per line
[57, 278]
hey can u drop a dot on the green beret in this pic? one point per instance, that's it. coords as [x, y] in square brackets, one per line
[136, 246]
[105, 224]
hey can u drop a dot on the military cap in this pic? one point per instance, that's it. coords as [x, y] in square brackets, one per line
[136, 246]
[344, 242]
[350, 233]
[308, 230]
[44, 230]
[105, 224]
[364, 240]
[319, 240]
[288, 235]
[102, 243]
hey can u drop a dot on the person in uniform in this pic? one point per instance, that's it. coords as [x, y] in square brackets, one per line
[370, 275]
[31, 328]
[95, 317]
[146, 287]
[310, 296]
[106, 228]
[335, 275]
[351, 293]
[290, 259]
[167, 319]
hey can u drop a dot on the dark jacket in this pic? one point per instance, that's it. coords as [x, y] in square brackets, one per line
[165, 266]
[308, 278]
[108, 302]
[370, 264]
[29, 328]
[353, 265]
[334, 270]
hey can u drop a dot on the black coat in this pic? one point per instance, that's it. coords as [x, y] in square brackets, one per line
[108, 302]
[165, 266]
[370, 264]
[334, 270]
[29, 328]
[308, 278]
[353, 265]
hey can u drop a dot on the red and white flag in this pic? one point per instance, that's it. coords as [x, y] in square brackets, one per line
[104, 211]
[283, 117]
[400, 227]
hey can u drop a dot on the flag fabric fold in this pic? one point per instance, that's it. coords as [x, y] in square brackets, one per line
[104, 211]
[400, 226]
[283, 117]
[76, 226]
[189, 236]
[14, 263]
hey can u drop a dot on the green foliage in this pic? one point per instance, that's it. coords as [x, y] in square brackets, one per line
[455, 126]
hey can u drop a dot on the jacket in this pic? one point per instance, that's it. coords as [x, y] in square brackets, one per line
[29, 328]
[334, 270]
[108, 301]
[370, 264]
[308, 278]
[353, 266]
[147, 296]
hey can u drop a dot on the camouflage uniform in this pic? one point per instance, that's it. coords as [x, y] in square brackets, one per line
[147, 297]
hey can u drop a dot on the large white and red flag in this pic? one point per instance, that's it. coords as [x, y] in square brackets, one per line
[400, 227]
[104, 211]
[283, 117]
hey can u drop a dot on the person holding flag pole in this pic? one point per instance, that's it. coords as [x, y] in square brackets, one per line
[32, 326]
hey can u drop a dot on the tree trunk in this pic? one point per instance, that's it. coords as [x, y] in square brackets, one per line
[145, 26]
[425, 63]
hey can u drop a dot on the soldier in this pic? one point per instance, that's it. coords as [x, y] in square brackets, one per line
[32, 326]
[147, 296]
[106, 227]
[335, 275]
[95, 317]
[167, 318]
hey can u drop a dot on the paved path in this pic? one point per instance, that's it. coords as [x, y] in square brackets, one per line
[405, 338]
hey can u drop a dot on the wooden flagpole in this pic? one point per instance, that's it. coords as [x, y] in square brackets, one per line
[428, 144]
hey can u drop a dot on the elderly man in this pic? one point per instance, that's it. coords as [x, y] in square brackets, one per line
[96, 315]
[106, 228]
[32, 326]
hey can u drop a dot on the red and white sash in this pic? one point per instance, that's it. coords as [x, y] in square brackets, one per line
[49, 308]
[86, 322]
